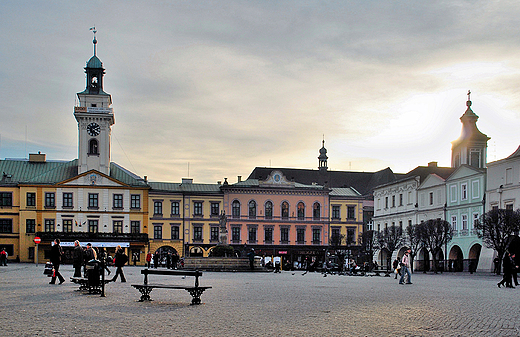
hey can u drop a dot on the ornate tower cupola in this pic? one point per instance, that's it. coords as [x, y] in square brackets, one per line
[322, 159]
[95, 118]
[471, 147]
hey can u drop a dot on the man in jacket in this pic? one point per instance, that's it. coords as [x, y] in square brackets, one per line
[77, 258]
[56, 253]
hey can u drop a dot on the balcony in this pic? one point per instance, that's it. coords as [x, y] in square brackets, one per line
[85, 236]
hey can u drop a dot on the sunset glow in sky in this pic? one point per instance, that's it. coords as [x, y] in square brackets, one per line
[213, 89]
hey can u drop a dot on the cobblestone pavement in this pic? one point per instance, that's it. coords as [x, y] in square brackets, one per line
[261, 304]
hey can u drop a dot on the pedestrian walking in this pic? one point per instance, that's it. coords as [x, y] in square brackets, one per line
[121, 259]
[3, 257]
[148, 259]
[507, 263]
[77, 258]
[514, 269]
[405, 268]
[56, 253]
[397, 268]
[251, 256]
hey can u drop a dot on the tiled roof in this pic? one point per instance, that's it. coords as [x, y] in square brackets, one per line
[344, 192]
[363, 182]
[18, 171]
[184, 188]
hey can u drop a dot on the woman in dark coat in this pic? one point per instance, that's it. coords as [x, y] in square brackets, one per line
[508, 271]
[77, 258]
[56, 253]
[121, 260]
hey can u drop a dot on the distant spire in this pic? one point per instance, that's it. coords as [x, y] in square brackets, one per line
[468, 103]
[93, 29]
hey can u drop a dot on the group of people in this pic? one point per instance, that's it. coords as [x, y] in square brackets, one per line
[82, 256]
[510, 271]
[402, 268]
[170, 261]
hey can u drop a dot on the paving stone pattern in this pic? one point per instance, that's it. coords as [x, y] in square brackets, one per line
[261, 304]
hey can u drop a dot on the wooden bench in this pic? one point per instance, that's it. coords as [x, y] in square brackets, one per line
[146, 288]
[84, 285]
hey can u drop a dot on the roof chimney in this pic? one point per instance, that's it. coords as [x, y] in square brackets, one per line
[432, 164]
[37, 157]
[187, 180]
[239, 178]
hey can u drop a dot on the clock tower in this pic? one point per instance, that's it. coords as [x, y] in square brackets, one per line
[95, 118]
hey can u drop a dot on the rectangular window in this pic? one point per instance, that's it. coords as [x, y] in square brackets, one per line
[464, 221]
[316, 236]
[67, 200]
[175, 233]
[197, 208]
[6, 226]
[157, 232]
[335, 212]
[393, 200]
[118, 201]
[401, 199]
[284, 235]
[431, 198]
[475, 219]
[268, 234]
[335, 233]
[197, 233]
[300, 235]
[6, 199]
[135, 201]
[509, 207]
[386, 202]
[30, 226]
[117, 226]
[157, 208]
[351, 212]
[31, 199]
[176, 208]
[463, 191]
[50, 199]
[215, 209]
[235, 234]
[135, 227]
[214, 233]
[509, 176]
[252, 235]
[93, 226]
[67, 226]
[351, 236]
[93, 200]
[454, 221]
[49, 225]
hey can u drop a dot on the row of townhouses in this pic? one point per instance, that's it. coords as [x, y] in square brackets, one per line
[293, 213]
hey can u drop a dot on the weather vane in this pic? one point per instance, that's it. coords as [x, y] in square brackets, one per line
[93, 29]
[468, 103]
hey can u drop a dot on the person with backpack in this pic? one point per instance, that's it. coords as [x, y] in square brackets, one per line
[120, 260]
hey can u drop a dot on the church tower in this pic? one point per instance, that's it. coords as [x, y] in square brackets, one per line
[95, 119]
[471, 147]
[322, 159]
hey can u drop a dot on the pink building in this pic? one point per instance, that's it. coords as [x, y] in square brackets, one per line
[278, 217]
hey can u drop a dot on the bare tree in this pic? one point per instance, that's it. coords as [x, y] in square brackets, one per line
[391, 238]
[496, 229]
[368, 240]
[336, 244]
[434, 234]
[414, 241]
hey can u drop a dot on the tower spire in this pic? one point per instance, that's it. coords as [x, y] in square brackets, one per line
[93, 29]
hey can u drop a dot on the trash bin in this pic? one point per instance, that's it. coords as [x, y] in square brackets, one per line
[93, 273]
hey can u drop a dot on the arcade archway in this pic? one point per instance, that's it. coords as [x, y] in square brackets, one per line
[474, 254]
[456, 259]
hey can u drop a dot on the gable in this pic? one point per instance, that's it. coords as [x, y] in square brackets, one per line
[464, 171]
[431, 181]
[93, 178]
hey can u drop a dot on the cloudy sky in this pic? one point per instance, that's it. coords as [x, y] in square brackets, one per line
[212, 89]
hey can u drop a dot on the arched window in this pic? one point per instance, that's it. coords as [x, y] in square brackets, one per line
[285, 210]
[93, 147]
[252, 209]
[268, 210]
[301, 211]
[316, 211]
[236, 209]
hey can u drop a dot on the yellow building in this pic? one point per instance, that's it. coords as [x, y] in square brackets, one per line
[346, 217]
[184, 218]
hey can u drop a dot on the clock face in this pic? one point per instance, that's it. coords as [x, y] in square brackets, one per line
[93, 129]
